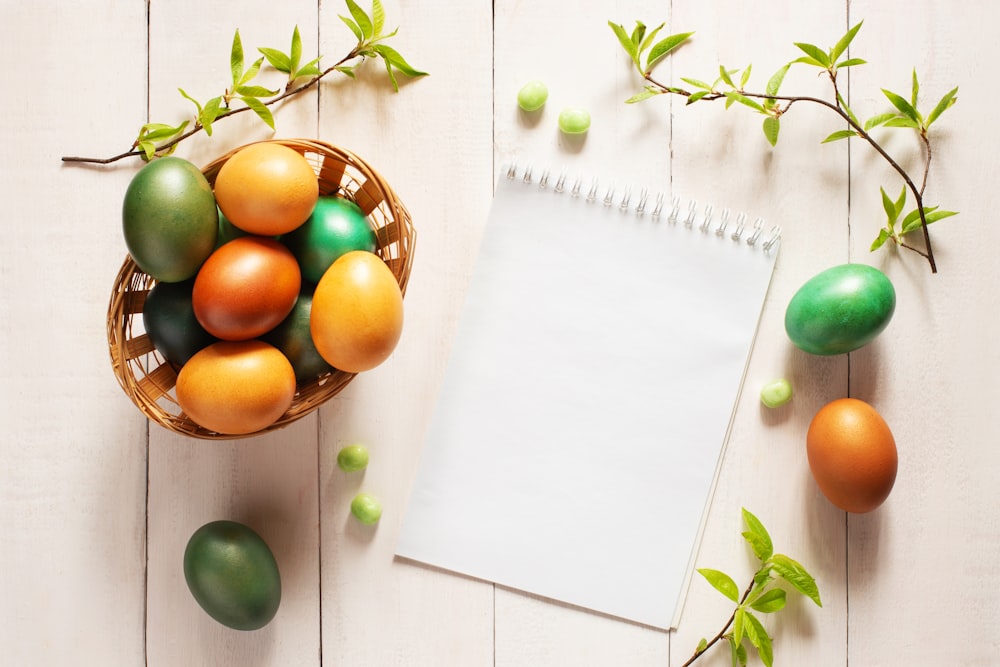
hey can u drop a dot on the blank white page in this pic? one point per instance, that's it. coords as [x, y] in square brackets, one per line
[587, 399]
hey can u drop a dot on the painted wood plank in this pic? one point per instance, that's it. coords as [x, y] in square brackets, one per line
[431, 142]
[576, 54]
[801, 186]
[72, 495]
[267, 482]
[933, 372]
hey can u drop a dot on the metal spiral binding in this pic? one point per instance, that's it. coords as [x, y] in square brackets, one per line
[755, 235]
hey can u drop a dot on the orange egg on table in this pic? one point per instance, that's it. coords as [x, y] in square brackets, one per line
[267, 189]
[357, 312]
[236, 387]
[246, 288]
[852, 455]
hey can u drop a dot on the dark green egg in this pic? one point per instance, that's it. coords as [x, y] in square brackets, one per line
[295, 341]
[840, 309]
[233, 575]
[337, 226]
[169, 319]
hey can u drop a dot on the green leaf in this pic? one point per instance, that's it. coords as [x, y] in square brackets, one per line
[770, 601]
[733, 646]
[889, 206]
[796, 575]
[276, 59]
[148, 149]
[741, 655]
[378, 17]
[904, 107]
[726, 76]
[156, 132]
[847, 109]
[914, 89]
[311, 68]
[697, 83]
[879, 119]
[806, 60]
[695, 96]
[760, 639]
[739, 625]
[757, 536]
[774, 83]
[354, 28]
[930, 213]
[664, 47]
[838, 135]
[346, 69]
[255, 91]
[746, 76]
[851, 62]
[883, 236]
[763, 575]
[702, 645]
[900, 121]
[236, 59]
[844, 42]
[638, 33]
[260, 109]
[251, 73]
[361, 18]
[295, 52]
[722, 582]
[626, 41]
[742, 99]
[393, 58]
[650, 37]
[646, 93]
[815, 53]
[900, 202]
[771, 127]
[213, 109]
[942, 106]
[197, 104]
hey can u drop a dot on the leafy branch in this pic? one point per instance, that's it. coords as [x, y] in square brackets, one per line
[730, 85]
[244, 94]
[761, 596]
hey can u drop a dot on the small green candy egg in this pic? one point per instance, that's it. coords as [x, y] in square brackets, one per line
[574, 121]
[532, 96]
[352, 458]
[366, 509]
[776, 393]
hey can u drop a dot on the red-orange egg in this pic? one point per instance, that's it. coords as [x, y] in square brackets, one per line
[852, 455]
[246, 288]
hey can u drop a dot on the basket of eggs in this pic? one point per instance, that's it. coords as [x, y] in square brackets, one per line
[255, 289]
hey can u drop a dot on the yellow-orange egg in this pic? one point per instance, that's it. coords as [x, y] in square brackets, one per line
[236, 387]
[266, 188]
[357, 312]
[852, 455]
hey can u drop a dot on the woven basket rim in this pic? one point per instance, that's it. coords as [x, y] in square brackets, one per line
[147, 378]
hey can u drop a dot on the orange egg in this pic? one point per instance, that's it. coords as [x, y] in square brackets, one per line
[246, 288]
[357, 312]
[852, 455]
[236, 388]
[266, 188]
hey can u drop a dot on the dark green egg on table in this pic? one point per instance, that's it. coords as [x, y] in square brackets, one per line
[233, 575]
[295, 341]
[840, 309]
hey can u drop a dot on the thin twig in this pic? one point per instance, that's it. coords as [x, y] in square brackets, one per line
[198, 127]
[722, 632]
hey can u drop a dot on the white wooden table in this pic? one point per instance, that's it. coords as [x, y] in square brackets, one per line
[97, 506]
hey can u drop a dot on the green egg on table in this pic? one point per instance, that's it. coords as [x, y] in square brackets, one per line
[295, 341]
[840, 309]
[337, 226]
[532, 96]
[170, 322]
[366, 508]
[233, 575]
[169, 219]
[574, 121]
[352, 458]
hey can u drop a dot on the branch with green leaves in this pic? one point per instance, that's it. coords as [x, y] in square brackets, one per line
[245, 94]
[763, 595]
[731, 85]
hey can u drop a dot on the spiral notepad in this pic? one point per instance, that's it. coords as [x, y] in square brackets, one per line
[588, 395]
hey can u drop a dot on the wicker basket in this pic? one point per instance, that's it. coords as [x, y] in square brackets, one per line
[148, 379]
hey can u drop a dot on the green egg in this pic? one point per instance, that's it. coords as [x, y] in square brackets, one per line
[532, 96]
[337, 226]
[366, 508]
[353, 458]
[233, 575]
[169, 320]
[840, 309]
[295, 341]
[574, 121]
[169, 219]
